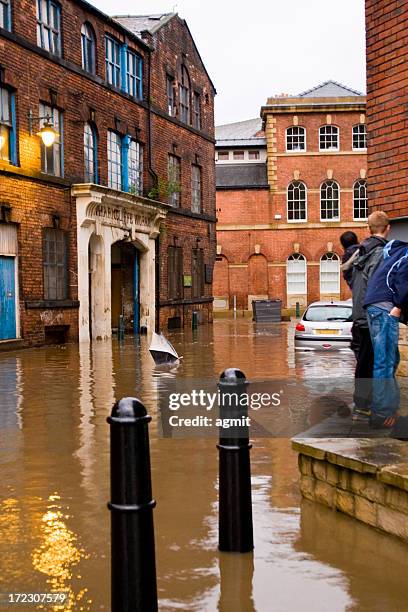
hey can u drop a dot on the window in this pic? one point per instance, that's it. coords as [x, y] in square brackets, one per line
[329, 138]
[88, 48]
[253, 155]
[5, 14]
[134, 75]
[112, 62]
[360, 207]
[184, 95]
[195, 188]
[359, 136]
[297, 200]
[196, 111]
[296, 274]
[135, 168]
[55, 265]
[171, 102]
[329, 274]
[223, 155]
[49, 26]
[7, 127]
[114, 160]
[175, 272]
[296, 139]
[90, 154]
[197, 273]
[238, 155]
[174, 172]
[329, 201]
[52, 157]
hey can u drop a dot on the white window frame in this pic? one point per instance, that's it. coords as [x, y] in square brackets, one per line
[287, 203]
[297, 257]
[115, 160]
[295, 151]
[331, 149]
[329, 257]
[223, 160]
[358, 126]
[135, 167]
[334, 219]
[357, 185]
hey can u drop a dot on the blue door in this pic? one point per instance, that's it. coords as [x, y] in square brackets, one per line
[7, 298]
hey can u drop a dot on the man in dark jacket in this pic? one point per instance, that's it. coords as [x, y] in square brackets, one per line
[365, 264]
[386, 297]
[349, 242]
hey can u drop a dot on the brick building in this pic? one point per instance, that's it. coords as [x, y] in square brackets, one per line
[283, 242]
[387, 119]
[117, 216]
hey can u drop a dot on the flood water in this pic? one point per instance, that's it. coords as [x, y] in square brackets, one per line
[54, 456]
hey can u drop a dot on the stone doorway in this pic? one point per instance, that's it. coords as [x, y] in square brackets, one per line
[125, 286]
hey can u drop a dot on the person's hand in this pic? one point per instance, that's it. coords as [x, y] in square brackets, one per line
[395, 312]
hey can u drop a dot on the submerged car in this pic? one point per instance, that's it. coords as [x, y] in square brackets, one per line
[325, 326]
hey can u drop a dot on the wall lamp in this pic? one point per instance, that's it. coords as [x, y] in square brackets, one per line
[47, 132]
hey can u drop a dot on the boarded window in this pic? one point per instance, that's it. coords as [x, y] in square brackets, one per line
[55, 265]
[175, 272]
[197, 273]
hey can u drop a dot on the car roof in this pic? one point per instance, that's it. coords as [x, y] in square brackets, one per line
[331, 303]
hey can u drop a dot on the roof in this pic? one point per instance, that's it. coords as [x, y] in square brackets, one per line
[330, 89]
[139, 23]
[241, 175]
[240, 130]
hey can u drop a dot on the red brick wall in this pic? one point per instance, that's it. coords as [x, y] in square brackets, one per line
[387, 101]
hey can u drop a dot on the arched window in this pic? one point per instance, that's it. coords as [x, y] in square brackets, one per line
[360, 206]
[329, 274]
[90, 154]
[359, 136]
[88, 48]
[184, 95]
[296, 138]
[296, 274]
[329, 138]
[330, 201]
[297, 201]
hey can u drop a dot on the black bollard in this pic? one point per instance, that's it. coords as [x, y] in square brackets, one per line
[133, 564]
[235, 502]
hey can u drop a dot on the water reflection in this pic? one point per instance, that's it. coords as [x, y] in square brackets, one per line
[54, 455]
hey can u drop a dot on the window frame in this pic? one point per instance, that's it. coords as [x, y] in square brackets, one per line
[175, 289]
[64, 265]
[358, 184]
[5, 6]
[196, 110]
[88, 48]
[113, 163]
[184, 96]
[9, 124]
[113, 65]
[287, 136]
[174, 161]
[296, 184]
[359, 135]
[196, 189]
[94, 148]
[296, 257]
[57, 148]
[134, 80]
[197, 273]
[329, 149]
[171, 95]
[227, 153]
[255, 152]
[236, 155]
[326, 183]
[47, 26]
[333, 257]
[138, 170]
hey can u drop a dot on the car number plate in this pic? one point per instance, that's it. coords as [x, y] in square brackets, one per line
[327, 332]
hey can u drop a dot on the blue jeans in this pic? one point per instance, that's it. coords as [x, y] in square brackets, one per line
[384, 331]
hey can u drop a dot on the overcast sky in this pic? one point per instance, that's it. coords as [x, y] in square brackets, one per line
[259, 48]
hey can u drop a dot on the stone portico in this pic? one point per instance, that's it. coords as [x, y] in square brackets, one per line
[105, 217]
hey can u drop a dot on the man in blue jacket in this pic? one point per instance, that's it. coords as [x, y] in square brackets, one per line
[386, 302]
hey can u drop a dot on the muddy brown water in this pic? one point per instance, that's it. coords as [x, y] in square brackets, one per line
[54, 457]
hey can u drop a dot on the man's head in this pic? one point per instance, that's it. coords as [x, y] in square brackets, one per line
[379, 224]
[348, 239]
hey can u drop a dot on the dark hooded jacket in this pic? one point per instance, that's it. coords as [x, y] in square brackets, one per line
[347, 261]
[365, 264]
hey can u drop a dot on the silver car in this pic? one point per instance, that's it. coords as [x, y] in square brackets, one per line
[325, 326]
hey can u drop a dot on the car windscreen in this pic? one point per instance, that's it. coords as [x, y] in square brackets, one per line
[320, 314]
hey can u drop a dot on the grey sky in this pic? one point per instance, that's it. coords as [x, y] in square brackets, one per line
[257, 49]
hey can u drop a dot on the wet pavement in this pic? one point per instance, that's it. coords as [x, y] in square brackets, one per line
[54, 455]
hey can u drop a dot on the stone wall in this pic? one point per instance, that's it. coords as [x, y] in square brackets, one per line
[374, 494]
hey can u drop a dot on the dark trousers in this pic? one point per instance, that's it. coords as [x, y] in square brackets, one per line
[364, 367]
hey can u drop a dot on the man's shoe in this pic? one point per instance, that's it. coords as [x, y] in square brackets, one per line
[361, 414]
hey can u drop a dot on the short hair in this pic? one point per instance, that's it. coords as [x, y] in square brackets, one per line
[378, 222]
[348, 239]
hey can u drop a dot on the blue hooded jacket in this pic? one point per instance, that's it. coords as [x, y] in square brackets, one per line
[389, 283]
